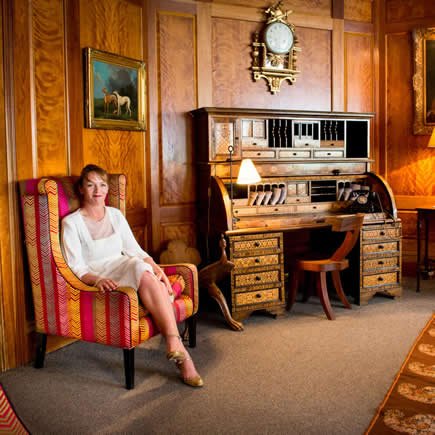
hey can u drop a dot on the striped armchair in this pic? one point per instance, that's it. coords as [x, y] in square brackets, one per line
[67, 307]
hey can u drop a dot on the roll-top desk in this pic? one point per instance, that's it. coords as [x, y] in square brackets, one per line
[312, 165]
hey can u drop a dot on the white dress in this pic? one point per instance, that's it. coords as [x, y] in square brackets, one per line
[118, 256]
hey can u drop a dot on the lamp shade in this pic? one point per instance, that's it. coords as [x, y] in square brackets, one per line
[248, 173]
[431, 143]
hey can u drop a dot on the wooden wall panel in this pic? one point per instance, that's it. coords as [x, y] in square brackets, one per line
[49, 82]
[233, 85]
[177, 86]
[23, 91]
[408, 10]
[359, 69]
[409, 163]
[322, 7]
[358, 10]
[402, 152]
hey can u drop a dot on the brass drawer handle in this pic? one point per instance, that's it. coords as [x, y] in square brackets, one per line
[382, 233]
[258, 154]
[258, 295]
[381, 246]
[257, 260]
[380, 279]
[258, 278]
[257, 244]
[380, 262]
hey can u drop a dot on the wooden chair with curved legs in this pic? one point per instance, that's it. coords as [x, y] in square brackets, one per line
[351, 225]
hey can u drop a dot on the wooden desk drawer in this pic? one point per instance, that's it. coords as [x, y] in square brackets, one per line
[257, 261]
[381, 279]
[372, 265]
[380, 233]
[302, 154]
[249, 210]
[257, 278]
[377, 248]
[243, 246]
[258, 154]
[327, 154]
[257, 297]
[297, 199]
[332, 144]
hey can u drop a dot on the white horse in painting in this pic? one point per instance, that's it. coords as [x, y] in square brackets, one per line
[123, 100]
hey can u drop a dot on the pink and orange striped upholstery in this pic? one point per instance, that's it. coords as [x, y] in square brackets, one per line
[64, 305]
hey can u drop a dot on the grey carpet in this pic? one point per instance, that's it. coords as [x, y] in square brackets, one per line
[297, 374]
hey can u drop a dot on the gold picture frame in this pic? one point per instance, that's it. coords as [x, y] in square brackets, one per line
[115, 91]
[424, 80]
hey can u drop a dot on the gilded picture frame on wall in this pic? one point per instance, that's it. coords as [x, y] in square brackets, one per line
[424, 80]
[114, 91]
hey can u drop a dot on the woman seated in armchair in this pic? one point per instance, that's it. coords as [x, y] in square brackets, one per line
[101, 250]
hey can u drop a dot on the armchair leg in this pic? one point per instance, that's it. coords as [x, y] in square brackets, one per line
[191, 326]
[40, 350]
[129, 368]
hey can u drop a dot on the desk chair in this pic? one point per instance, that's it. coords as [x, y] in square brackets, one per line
[67, 307]
[351, 225]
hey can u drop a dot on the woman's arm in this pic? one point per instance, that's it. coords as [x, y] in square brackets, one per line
[130, 246]
[72, 247]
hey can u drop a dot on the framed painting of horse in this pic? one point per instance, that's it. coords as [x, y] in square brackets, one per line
[115, 91]
[424, 80]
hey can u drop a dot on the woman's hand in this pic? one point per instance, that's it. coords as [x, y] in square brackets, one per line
[161, 276]
[105, 284]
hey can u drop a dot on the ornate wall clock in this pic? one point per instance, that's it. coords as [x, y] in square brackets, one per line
[274, 49]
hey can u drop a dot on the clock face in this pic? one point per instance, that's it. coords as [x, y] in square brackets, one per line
[278, 38]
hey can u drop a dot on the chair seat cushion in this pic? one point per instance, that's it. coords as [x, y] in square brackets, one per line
[322, 265]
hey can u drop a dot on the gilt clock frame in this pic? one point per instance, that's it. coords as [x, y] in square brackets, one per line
[275, 68]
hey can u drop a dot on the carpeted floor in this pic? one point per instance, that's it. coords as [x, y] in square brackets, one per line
[297, 374]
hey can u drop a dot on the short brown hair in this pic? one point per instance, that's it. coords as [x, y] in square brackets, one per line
[91, 168]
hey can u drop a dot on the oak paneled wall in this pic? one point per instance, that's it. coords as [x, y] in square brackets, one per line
[233, 85]
[48, 58]
[409, 164]
[359, 70]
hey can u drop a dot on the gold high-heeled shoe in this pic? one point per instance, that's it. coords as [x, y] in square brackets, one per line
[175, 355]
[196, 381]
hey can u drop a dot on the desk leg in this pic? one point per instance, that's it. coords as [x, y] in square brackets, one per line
[418, 250]
[215, 292]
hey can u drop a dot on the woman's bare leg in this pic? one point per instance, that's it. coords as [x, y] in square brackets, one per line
[154, 296]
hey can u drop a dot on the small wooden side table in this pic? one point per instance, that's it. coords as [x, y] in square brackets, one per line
[424, 215]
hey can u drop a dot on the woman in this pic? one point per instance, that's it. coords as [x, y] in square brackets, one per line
[101, 250]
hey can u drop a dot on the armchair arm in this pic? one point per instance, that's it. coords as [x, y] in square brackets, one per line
[190, 274]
